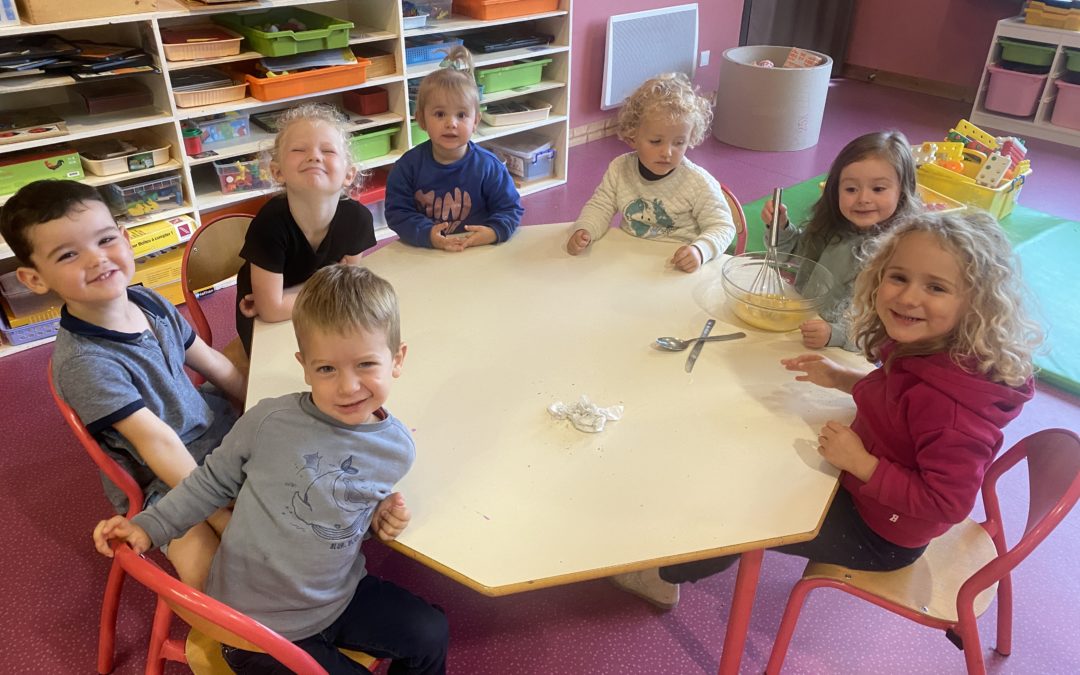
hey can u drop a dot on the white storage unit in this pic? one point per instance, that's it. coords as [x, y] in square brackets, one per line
[377, 24]
[1039, 124]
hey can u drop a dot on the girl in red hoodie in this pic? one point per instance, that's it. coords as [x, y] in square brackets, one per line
[938, 305]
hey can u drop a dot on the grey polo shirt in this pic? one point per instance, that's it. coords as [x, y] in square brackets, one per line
[106, 376]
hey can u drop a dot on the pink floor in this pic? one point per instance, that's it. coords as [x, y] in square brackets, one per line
[52, 580]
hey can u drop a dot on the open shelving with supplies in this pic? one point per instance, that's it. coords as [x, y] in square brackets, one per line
[1039, 124]
[378, 28]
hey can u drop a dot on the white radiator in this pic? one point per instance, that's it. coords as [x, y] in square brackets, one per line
[644, 44]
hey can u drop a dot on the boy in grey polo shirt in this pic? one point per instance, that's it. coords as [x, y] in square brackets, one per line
[120, 352]
[312, 473]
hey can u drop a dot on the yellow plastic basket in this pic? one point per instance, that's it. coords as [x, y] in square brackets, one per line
[998, 201]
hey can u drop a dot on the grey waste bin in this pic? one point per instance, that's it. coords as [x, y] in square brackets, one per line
[769, 108]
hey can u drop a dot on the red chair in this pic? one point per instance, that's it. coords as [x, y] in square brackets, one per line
[111, 602]
[954, 581]
[212, 623]
[739, 217]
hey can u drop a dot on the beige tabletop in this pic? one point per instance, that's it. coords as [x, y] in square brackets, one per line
[504, 497]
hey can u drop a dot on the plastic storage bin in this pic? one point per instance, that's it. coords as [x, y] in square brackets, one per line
[501, 9]
[999, 202]
[121, 155]
[418, 134]
[1033, 54]
[414, 21]
[21, 300]
[435, 9]
[520, 74]
[224, 127]
[308, 81]
[199, 42]
[382, 63]
[1013, 92]
[527, 155]
[515, 112]
[242, 174]
[145, 197]
[1067, 108]
[31, 332]
[369, 144]
[1072, 60]
[319, 32]
[370, 101]
[428, 48]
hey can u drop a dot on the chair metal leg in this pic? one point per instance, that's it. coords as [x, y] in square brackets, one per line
[787, 625]
[1005, 616]
[110, 605]
[968, 630]
[159, 633]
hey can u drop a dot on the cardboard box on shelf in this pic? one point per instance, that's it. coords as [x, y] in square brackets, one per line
[18, 169]
[158, 270]
[161, 234]
[50, 11]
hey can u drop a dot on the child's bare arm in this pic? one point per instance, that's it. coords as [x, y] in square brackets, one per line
[217, 368]
[272, 301]
[158, 445]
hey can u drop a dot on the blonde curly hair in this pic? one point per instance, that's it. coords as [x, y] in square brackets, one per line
[320, 113]
[670, 97]
[994, 336]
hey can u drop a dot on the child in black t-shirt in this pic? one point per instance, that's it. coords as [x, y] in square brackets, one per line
[309, 227]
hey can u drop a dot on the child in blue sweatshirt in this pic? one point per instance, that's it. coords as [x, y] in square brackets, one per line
[447, 192]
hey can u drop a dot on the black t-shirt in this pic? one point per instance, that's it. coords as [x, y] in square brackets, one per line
[276, 243]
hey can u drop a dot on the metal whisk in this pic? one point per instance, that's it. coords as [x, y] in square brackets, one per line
[768, 281]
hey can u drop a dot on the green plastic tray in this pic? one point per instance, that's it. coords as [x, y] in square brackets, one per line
[371, 144]
[323, 32]
[1025, 52]
[520, 74]
[1072, 60]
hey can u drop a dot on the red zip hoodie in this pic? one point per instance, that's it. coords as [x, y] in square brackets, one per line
[934, 428]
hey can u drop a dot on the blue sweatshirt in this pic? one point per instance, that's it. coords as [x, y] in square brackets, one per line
[475, 190]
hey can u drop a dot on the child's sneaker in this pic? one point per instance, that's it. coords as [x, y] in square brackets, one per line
[648, 586]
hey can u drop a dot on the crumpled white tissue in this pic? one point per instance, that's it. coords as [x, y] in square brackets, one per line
[585, 415]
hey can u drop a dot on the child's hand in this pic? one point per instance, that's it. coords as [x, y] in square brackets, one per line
[445, 243]
[247, 306]
[119, 527]
[687, 258]
[842, 447]
[815, 333]
[767, 214]
[579, 241]
[391, 517]
[818, 370]
[479, 235]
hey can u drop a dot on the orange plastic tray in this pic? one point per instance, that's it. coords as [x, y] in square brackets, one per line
[310, 82]
[502, 9]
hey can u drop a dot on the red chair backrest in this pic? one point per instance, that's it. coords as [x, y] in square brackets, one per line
[212, 617]
[739, 217]
[224, 260]
[107, 464]
[1053, 462]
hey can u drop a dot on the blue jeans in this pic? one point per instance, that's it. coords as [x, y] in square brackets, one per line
[383, 620]
[844, 539]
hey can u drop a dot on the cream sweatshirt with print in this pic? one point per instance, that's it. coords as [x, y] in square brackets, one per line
[686, 206]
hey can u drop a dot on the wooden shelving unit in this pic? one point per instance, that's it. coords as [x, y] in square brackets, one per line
[377, 23]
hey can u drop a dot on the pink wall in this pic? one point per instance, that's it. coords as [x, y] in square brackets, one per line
[942, 40]
[718, 29]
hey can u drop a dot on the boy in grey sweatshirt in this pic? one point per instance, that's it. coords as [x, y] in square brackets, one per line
[312, 474]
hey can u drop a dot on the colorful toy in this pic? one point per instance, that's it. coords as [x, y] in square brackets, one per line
[993, 170]
[925, 153]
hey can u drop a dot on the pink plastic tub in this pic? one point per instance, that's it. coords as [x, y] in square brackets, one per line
[1067, 108]
[1012, 92]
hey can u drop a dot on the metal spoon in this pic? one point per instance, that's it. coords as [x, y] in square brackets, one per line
[676, 345]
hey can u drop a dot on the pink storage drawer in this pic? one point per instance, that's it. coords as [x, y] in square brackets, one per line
[1067, 107]
[1013, 92]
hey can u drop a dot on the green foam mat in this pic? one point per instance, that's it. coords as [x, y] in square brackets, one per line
[1048, 247]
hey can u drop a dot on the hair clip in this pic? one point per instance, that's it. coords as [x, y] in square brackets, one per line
[454, 64]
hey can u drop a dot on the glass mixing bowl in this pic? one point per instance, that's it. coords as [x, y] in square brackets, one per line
[775, 298]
